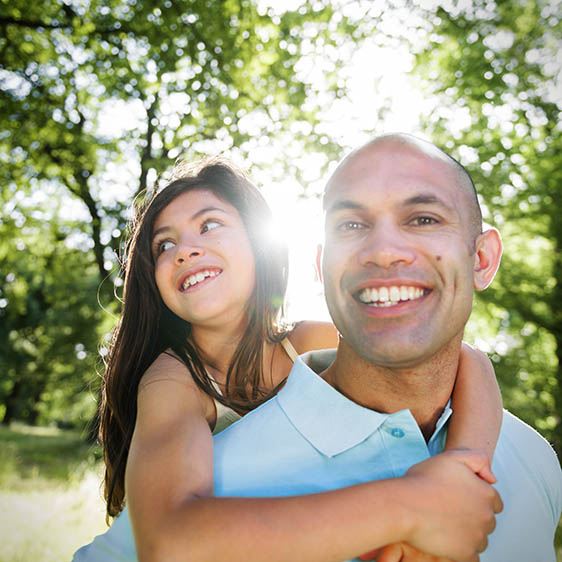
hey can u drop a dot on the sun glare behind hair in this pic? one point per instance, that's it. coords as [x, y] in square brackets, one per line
[298, 221]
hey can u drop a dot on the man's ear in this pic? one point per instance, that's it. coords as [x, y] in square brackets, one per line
[486, 258]
[319, 262]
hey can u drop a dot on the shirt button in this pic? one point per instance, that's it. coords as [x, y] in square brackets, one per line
[397, 432]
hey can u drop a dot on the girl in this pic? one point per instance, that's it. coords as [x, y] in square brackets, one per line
[201, 341]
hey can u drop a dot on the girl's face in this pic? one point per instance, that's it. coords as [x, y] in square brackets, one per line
[204, 263]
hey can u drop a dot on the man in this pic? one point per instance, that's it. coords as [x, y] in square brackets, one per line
[403, 252]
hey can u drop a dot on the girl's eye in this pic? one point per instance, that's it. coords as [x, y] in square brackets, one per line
[164, 246]
[210, 224]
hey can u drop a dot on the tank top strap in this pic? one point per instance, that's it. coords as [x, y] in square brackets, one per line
[289, 349]
[225, 415]
[215, 385]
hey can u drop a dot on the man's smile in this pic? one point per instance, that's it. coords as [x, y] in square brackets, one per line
[391, 295]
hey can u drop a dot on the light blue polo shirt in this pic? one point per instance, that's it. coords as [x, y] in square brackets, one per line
[311, 438]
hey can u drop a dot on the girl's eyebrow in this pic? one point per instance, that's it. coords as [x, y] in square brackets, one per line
[159, 231]
[193, 217]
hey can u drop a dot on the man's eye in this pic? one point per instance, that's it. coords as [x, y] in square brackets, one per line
[350, 226]
[424, 221]
[210, 224]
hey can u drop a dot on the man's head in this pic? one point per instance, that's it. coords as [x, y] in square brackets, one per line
[404, 250]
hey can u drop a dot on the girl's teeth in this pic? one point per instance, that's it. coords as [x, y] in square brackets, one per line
[198, 277]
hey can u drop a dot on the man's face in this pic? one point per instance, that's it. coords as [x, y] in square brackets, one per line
[398, 263]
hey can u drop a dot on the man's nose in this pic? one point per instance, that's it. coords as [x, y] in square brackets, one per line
[187, 250]
[386, 246]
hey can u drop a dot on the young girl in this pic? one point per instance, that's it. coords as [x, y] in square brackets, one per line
[200, 342]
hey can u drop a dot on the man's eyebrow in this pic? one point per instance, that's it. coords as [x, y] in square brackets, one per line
[426, 199]
[344, 205]
[193, 217]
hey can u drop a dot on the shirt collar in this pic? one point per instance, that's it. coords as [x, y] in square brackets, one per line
[330, 422]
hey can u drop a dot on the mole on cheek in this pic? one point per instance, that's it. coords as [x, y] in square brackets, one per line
[438, 258]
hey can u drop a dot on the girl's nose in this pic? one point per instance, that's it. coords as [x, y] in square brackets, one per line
[188, 251]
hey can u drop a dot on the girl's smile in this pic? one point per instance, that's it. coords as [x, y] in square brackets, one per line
[193, 281]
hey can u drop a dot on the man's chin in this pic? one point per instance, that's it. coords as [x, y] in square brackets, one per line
[392, 353]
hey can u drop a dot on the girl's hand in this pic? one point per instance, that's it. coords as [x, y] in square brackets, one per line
[401, 552]
[460, 530]
[372, 554]
[455, 507]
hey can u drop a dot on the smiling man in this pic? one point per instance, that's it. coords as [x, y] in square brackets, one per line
[404, 251]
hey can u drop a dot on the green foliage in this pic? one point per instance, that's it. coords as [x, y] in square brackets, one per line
[50, 320]
[99, 100]
[492, 66]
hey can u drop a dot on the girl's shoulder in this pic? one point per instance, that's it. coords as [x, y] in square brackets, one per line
[310, 334]
[169, 377]
[167, 366]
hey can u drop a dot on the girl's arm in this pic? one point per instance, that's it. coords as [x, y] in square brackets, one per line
[476, 403]
[439, 506]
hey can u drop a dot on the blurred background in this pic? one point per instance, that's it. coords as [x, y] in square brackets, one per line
[99, 99]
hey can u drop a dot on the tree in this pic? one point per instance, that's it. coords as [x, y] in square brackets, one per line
[190, 71]
[50, 321]
[494, 68]
[98, 101]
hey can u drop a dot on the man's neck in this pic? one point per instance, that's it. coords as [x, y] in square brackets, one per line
[424, 388]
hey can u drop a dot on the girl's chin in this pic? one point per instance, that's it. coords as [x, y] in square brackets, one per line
[214, 320]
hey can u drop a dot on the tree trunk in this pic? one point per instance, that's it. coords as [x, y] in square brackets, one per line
[35, 402]
[11, 404]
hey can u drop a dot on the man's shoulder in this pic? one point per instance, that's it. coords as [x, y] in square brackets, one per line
[264, 418]
[302, 390]
[249, 452]
[516, 432]
[527, 460]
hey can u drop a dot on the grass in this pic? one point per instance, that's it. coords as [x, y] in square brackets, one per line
[50, 496]
[33, 455]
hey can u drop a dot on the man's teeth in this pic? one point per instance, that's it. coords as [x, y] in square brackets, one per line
[388, 296]
[197, 278]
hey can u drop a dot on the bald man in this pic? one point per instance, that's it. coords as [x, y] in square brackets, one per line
[404, 251]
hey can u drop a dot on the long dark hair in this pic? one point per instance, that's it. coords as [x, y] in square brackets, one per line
[147, 327]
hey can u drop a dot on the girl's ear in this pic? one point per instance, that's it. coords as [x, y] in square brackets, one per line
[319, 262]
[486, 258]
